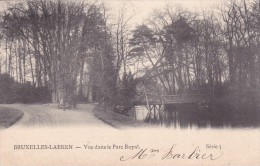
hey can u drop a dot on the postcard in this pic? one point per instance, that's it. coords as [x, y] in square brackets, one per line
[139, 82]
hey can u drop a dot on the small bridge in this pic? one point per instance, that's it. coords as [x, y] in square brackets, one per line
[171, 99]
[156, 103]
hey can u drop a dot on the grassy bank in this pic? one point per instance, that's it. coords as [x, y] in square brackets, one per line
[9, 116]
[116, 120]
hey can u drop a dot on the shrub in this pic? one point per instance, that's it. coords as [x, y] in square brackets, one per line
[12, 92]
[6, 89]
[126, 92]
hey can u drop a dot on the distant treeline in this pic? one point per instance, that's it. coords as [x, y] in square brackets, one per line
[14, 92]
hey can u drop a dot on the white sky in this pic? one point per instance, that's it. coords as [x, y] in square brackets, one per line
[141, 9]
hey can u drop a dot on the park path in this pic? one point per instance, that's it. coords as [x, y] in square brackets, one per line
[50, 116]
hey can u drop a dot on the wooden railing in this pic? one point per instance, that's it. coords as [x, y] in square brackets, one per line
[172, 99]
[187, 98]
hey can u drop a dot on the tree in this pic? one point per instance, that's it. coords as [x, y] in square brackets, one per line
[59, 35]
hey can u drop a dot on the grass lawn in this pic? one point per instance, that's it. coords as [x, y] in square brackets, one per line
[9, 116]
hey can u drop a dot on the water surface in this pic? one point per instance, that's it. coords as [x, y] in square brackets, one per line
[196, 116]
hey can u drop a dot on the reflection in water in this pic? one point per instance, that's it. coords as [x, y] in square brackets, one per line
[194, 116]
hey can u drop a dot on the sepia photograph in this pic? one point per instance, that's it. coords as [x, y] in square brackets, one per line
[137, 82]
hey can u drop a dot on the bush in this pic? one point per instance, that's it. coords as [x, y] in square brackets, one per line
[42, 94]
[126, 92]
[14, 92]
[6, 89]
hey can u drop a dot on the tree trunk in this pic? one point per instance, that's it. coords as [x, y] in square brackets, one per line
[80, 93]
[24, 62]
[10, 60]
[31, 64]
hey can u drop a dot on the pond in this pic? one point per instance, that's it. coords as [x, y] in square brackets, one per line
[195, 116]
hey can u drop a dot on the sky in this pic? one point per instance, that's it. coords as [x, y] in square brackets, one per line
[141, 9]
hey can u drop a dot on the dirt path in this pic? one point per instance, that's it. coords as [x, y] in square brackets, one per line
[50, 115]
